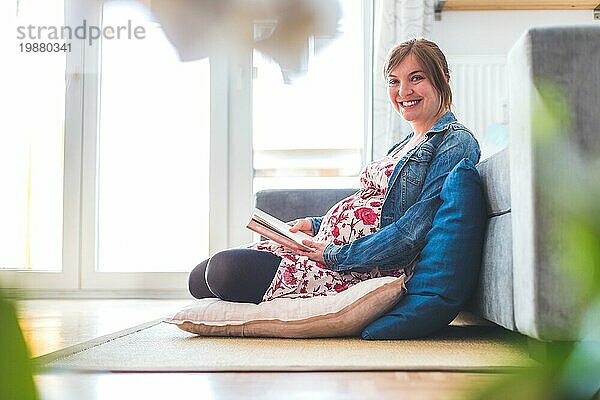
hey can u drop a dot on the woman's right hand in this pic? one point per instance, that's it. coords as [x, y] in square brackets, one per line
[302, 225]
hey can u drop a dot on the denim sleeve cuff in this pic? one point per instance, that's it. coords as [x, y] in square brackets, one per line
[329, 255]
[316, 224]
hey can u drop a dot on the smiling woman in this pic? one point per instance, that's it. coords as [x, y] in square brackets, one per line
[413, 95]
[380, 229]
[418, 83]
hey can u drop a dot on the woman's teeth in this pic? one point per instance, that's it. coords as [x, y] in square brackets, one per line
[409, 103]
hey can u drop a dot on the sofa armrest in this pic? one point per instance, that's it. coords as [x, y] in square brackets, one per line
[289, 204]
[546, 306]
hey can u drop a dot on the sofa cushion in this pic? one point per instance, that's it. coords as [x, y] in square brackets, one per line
[495, 175]
[289, 204]
[447, 270]
[344, 314]
[493, 297]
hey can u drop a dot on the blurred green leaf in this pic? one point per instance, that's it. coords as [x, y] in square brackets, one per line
[552, 113]
[581, 376]
[16, 380]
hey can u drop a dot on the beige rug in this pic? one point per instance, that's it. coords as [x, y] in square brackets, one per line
[158, 346]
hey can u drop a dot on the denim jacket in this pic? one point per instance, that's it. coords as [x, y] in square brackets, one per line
[410, 203]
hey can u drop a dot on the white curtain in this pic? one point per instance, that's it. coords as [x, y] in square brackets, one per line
[395, 21]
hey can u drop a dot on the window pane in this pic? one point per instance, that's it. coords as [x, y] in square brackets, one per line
[31, 140]
[313, 129]
[153, 151]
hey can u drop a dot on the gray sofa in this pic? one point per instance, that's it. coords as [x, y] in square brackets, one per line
[521, 287]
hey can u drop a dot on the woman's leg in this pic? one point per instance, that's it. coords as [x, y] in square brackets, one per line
[197, 282]
[240, 275]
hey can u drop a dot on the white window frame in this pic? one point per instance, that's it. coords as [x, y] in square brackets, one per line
[369, 41]
[368, 8]
[68, 277]
[220, 153]
[231, 166]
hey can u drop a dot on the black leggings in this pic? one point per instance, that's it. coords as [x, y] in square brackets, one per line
[240, 275]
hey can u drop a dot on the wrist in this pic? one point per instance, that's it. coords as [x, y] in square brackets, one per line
[330, 255]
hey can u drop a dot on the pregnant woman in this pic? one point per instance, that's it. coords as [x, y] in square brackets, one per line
[379, 230]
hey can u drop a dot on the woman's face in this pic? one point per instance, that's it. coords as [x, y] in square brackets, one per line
[413, 95]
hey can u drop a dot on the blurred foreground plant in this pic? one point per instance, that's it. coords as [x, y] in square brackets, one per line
[568, 178]
[16, 380]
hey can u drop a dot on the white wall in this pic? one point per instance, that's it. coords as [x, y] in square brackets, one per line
[476, 44]
[494, 32]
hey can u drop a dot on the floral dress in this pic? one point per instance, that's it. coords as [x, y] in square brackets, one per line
[351, 218]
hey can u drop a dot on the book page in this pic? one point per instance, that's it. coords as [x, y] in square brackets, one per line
[271, 234]
[279, 226]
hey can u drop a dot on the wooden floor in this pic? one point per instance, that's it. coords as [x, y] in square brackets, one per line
[49, 325]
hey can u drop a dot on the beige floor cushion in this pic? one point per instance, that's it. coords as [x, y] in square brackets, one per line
[344, 314]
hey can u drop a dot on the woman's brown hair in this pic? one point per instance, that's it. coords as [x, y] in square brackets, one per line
[432, 61]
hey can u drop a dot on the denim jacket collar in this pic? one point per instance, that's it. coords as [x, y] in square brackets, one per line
[442, 123]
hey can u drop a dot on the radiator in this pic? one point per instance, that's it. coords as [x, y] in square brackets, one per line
[480, 98]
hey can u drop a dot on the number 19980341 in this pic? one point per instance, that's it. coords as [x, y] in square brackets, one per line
[44, 47]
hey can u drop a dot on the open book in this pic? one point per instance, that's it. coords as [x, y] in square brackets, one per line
[276, 230]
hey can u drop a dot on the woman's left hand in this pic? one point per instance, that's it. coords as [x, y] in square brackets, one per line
[317, 251]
